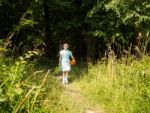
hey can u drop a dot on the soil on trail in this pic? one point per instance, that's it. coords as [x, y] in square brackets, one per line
[77, 99]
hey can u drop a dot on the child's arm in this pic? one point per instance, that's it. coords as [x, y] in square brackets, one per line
[60, 58]
[71, 55]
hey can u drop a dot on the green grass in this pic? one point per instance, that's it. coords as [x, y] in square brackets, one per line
[23, 89]
[118, 87]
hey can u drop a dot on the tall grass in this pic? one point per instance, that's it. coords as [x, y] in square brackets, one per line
[119, 87]
[25, 90]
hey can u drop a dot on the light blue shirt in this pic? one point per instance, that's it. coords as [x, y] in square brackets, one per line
[65, 59]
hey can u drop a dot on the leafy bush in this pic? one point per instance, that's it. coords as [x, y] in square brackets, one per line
[23, 89]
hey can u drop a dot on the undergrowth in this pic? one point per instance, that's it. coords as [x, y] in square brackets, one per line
[23, 89]
[117, 86]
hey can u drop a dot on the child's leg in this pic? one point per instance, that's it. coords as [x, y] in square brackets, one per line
[66, 76]
[64, 73]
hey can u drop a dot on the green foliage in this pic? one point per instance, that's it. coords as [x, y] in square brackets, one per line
[25, 23]
[120, 88]
[131, 12]
[115, 22]
[23, 89]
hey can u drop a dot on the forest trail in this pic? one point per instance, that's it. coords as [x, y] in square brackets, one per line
[73, 95]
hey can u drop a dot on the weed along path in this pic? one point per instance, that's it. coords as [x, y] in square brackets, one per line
[75, 101]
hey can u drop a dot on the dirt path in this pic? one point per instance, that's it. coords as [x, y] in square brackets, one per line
[78, 100]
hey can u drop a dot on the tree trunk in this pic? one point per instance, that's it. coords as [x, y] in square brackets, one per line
[81, 47]
[91, 48]
[47, 32]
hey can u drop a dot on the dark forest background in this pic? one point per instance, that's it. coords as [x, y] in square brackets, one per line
[91, 27]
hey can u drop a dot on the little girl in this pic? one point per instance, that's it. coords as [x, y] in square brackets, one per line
[64, 62]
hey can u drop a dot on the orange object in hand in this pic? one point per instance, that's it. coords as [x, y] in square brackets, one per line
[73, 62]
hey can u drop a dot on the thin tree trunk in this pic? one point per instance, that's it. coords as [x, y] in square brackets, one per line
[91, 48]
[47, 32]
